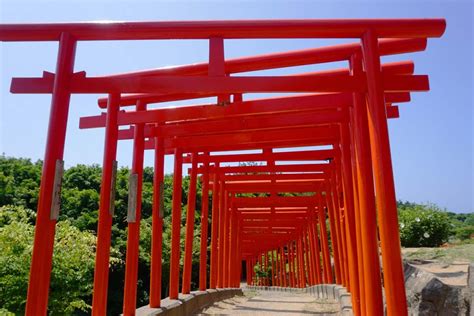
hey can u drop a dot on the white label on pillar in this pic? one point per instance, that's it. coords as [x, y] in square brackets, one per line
[113, 181]
[161, 205]
[56, 198]
[132, 198]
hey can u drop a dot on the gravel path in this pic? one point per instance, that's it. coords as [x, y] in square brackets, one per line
[272, 303]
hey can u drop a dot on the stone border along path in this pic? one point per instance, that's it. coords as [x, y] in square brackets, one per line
[265, 302]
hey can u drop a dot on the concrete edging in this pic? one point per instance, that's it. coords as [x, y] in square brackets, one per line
[187, 304]
[333, 292]
[322, 291]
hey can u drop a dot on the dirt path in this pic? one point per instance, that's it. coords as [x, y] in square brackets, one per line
[272, 303]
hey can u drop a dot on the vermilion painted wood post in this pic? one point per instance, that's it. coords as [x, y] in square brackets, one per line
[231, 270]
[190, 214]
[292, 264]
[273, 268]
[324, 241]
[204, 228]
[280, 262]
[309, 266]
[133, 218]
[265, 263]
[231, 249]
[214, 232]
[237, 254]
[324, 277]
[300, 258]
[360, 261]
[226, 241]
[309, 260]
[312, 266]
[372, 284]
[384, 183]
[311, 257]
[235, 251]
[254, 274]
[317, 248]
[247, 270]
[217, 63]
[303, 257]
[284, 266]
[41, 260]
[252, 264]
[270, 265]
[104, 226]
[334, 239]
[360, 252]
[286, 279]
[337, 225]
[157, 225]
[280, 266]
[342, 230]
[220, 253]
[351, 239]
[277, 267]
[176, 224]
[260, 267]
[251, 272]
[295, 264]
[287, 265]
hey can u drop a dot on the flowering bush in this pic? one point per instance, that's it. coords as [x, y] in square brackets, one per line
[423, 226]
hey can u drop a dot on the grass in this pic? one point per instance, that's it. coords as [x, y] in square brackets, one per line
[459, 251]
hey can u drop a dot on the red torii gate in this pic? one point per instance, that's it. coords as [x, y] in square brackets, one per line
[367, 133]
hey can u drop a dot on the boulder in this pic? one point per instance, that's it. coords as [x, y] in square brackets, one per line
[437, 289]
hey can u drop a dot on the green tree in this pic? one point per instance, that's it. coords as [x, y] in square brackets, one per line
[73, 263]
[19, 181]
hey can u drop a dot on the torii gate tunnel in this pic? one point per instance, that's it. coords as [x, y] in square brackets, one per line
[307, 216]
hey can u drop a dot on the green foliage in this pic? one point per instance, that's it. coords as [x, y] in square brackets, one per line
[465, 232]
[73, 264]
[73, 269]
[423, 225]
[16, 241]
[83, 177]
[19, 181]
[11, 213]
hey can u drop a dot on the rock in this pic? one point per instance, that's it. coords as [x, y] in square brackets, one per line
[436, 289]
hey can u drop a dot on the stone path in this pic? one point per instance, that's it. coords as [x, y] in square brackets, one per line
[272, 303]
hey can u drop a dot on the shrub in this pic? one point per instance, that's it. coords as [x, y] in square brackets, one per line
[465, 232]
[423, 226]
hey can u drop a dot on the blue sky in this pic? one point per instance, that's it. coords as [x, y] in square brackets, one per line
[432, 142]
